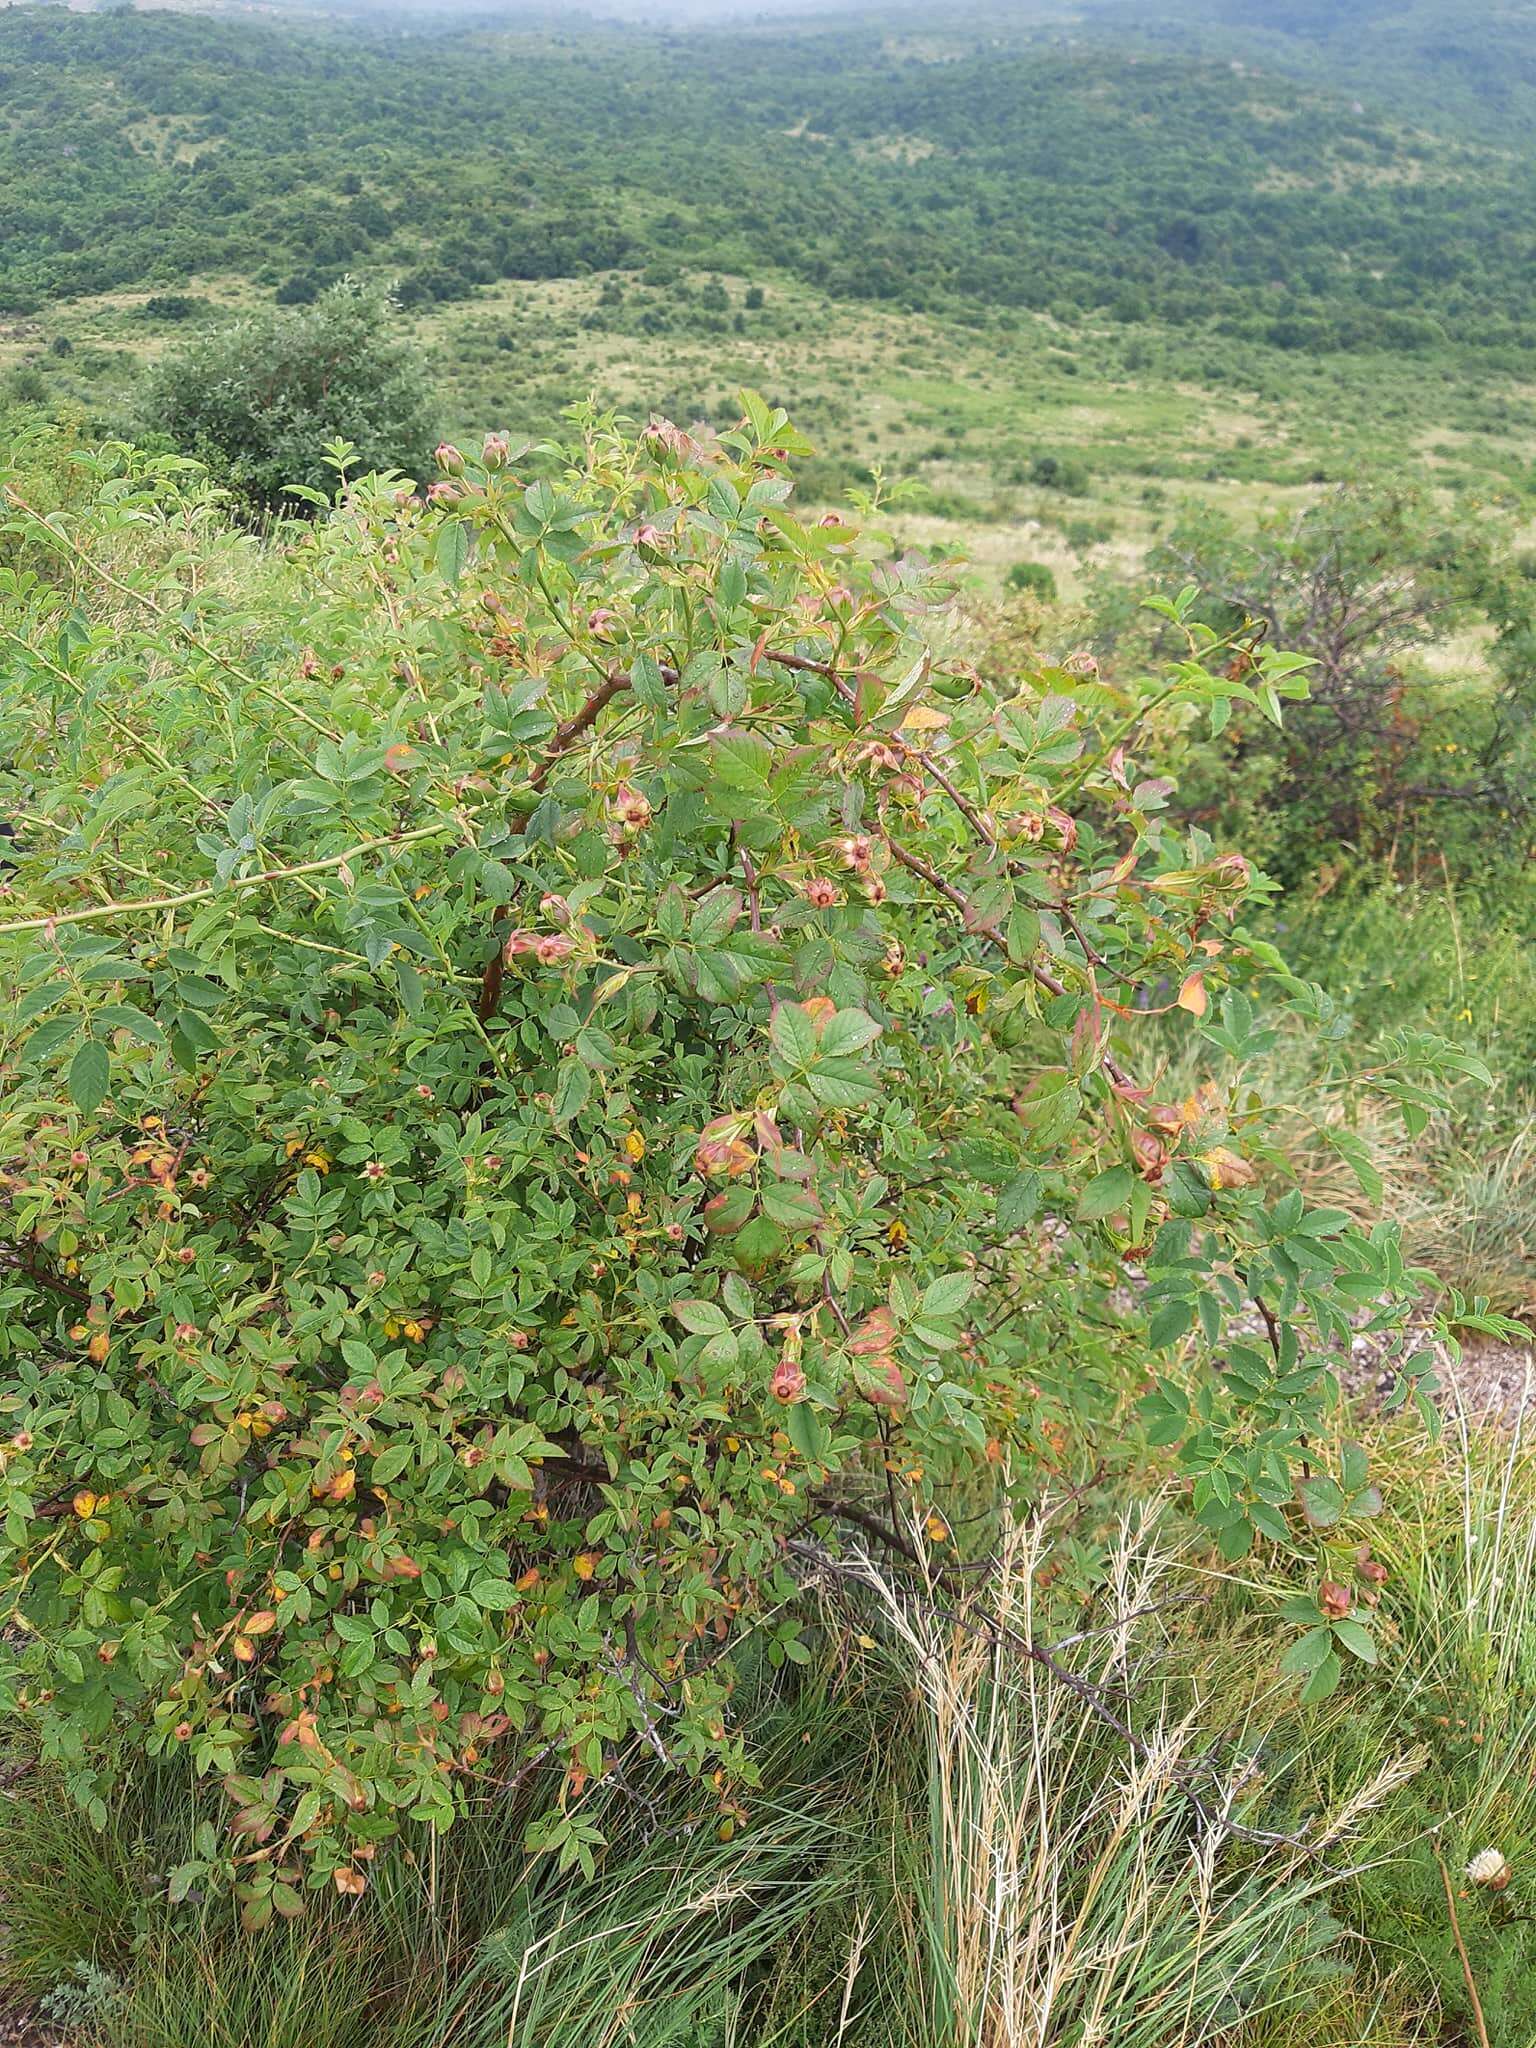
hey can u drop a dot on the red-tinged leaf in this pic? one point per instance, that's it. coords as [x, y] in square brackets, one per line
[1192, 996]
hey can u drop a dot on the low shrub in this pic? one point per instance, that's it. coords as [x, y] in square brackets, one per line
[555, 1047]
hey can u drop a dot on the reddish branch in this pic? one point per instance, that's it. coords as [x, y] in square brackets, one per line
[978, 824]
[925, 760]
[564, 738]
[566, 735]
[916, 865]
[582, 721]
[41, 1274]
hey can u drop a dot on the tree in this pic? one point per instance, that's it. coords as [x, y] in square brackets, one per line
[259, 401]
[1365, 581]
[596, 1056]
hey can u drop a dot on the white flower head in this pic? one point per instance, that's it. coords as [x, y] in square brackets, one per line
[1488, 1867]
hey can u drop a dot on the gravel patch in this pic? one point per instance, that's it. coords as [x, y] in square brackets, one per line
[18, 2029]
[1492, 1382]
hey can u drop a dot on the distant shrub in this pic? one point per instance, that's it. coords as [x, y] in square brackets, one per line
[1088, 533]
[1035, 577]
[173, 306]
[28, 385]
[430, 284]
[1059, 473]
[1366, 582]
[259, 400]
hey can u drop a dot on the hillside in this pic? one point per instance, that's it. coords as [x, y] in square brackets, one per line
[1222, 250]
[1049, 169]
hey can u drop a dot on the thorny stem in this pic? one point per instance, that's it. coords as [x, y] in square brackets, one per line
[916, 865]
[133, 907]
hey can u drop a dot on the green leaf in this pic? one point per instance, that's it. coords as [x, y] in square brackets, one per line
[840, 1084]
[572, 1090]
[1307, 1652]
[848, 1032]
[1356, 1156]
[1323, 1681]
[124, 1017]
[1164, 1424]
[792, 1034]
[807, 1432]
[389, 1464]
[1357, 1639]
[1354, 1468]
[729, 1210]
[759, 1243]
[1018, 1202]
[646, 681]
[409, 982]
[742, 761]
[1321, 1501]
[701, 1318]
[495, 1595]
[1267, 1522]
[1169, 1324]
[795, 1207]
[453, 549]
[723, 1350]
[89, 1071]
[49, 1037]
[197, 1031]
[1051, 1107]
[1105, 1193]
[947, 1295]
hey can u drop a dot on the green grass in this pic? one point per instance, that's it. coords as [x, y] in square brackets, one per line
[1456, 958]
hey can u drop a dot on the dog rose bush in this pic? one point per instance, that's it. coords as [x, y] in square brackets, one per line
[557, 1043]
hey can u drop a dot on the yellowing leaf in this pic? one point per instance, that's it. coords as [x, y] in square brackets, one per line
[1192, 996]
[1223, 1168]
